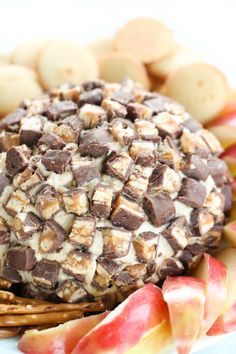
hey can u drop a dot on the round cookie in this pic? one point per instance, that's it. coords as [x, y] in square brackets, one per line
[16, 84]
[111, 187]
[201, 88]
[117, 66]
[101, 47]
[62, 61]
[146, 38]
[179, 57]
[26, 53]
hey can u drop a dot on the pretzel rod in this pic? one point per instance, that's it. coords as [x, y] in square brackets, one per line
[28, 301]
[46, 308]
[39, 319]
[6, 296]
[5, 284]
[8, 332]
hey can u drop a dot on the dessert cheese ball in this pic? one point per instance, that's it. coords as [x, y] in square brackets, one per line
[105, 187]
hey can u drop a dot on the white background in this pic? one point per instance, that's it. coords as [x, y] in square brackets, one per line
[208, 26]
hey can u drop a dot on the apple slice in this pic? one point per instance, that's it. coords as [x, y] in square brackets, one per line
[214, 273]
[140, 315]
[228, 257]
[60, 339]
[229, 156]
[225, 323]
[225, 134]
[185, 299]
[226, 117]
[229, 233]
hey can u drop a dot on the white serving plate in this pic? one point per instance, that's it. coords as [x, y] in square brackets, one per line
[9, 346]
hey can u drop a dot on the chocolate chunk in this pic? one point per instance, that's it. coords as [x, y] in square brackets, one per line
[213, 237]
[77, 264]
[16, 202]
[113, 109]
[219, 171]
[17, 159]
[31, 130]
[137, 183]
[56, 160]
[38, 292]
[201, 221]
[194, 167]
[178, 233]
[76, 201]
[4, 232]
[95, 142]
[143, 152]
[47, 201]
[21, 258]
[52, 237]
[195, 249]
[116, 242]
[8, 140]
[127, 214]
[171, 267]
[84, 169]
[4, 182]
[71, 291]
[122, 97]
[101, 201]
[69, 129]
[26, 224]
[212, 142]
[12, 121]
[164, 179]
[169, 154]
[161, 103]
[227, 192]
[61, 109]
[138, 111]
[146, 250]
[167, 124]
[123, 131]
[106, 268]
[192, 125]
[147, 130]
[92, 115]
[94, 96]
[52, 141]
[159, 208]
[118, 165]
[45, 273]
[83, 231]
[215, 202]
[192, 193]
[91, 85]
[28, 179]
[131, 275]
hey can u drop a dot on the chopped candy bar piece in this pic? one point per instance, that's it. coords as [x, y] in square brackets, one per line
[25, 224]
[212, 142]
[105, 269]
[31, 130]
[77, 264]
[95, 142]
[101, 201]
[76, 201]
[4, 232]
[159, 208]
[178, 233]
[93, 97]
[146, 249]
[172, 267]
[164, 179]
[119, 165]
[116, 242]
[8, 140]
[193, 144]
[4, 182]
[195, 167]
[91, 115]
[51, 141]
[168, 124]
[113, 109]
[52, 237]
[69, 129]
[45, 273]
[169, 154]
[137, 183]
[84, 169]
[47, 201]
[201, 221]
[127, 214]
[219, 171]
[123, 131]
[21, 258]
[61, 109]
[71, 291]
[16, 202]
[143, 152]
[56, 160]
[192, 193]
[192, 125]
[83, 231]
[28, 179]
[17, 159]
[12, 121]
[138, 111]
[147, 130]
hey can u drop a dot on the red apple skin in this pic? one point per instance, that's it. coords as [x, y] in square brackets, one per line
[229, 156]
[185, 298]
[138, 316]
[60, 339]
[215, 275]
[226, 323]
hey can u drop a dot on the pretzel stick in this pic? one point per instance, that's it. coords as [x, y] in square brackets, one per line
[33, 309]
[5, 284]
[39, 319]
[8, 332]
[28, 301]
[6, 296]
